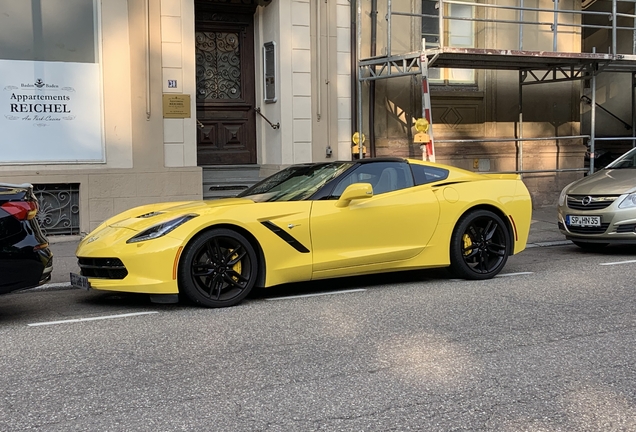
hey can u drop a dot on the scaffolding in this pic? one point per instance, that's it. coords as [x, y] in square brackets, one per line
[533, 66]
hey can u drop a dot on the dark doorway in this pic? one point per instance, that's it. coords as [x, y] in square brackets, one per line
[224, 43]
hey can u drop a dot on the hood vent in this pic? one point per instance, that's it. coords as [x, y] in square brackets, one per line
[149, 215]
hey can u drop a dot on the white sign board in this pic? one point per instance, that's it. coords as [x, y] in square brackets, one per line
[50, 112]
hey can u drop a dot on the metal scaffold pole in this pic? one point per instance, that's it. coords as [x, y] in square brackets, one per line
[429, 148]
[361, 144]
[593, 123]
[520, 125]
[633, 108]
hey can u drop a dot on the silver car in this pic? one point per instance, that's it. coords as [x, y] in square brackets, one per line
[600, 209]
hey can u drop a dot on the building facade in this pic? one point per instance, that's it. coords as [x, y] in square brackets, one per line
[109, 105]
[476, 97]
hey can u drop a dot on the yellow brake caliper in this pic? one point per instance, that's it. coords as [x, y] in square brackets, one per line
[467, 244]
[236, 267]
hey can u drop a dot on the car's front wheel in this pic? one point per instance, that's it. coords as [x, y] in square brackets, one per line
[480, 245]
[218, 269]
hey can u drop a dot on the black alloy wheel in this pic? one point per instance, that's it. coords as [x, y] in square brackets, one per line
[218, 269]
[480, 245]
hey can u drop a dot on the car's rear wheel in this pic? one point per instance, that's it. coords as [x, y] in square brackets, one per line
[480, 245]
[590, 246]
[218, 269]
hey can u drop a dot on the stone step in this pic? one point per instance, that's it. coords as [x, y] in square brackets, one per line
[226, 172]
[221, 181]
[216, 194]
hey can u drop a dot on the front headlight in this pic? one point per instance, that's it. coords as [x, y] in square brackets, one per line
[629, 201]
[564, 193]
[161, 229]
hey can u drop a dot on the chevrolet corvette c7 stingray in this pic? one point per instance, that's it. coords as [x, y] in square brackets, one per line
[309, 222]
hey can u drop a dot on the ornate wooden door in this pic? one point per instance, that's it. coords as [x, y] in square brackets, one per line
[225, 87]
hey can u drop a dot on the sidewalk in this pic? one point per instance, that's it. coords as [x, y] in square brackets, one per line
[543, 232]
[64, 260]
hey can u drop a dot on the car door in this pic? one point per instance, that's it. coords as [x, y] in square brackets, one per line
[393, 225]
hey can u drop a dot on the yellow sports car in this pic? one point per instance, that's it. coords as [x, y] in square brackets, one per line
[308, 222]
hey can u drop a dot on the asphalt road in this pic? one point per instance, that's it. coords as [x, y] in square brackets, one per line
[548, 346]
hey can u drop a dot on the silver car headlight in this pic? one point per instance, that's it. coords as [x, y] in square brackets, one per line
[628, 202]
[161, 229]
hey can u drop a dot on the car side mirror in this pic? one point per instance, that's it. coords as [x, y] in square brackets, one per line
[353, 192]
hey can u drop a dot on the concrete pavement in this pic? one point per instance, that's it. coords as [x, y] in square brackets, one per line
[543, 232]
[64, 260]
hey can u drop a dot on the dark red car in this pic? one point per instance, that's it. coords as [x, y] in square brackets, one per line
[25, 258]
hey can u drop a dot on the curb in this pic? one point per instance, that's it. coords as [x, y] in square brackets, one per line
[548, 244]
[64, 239]
[48, 287]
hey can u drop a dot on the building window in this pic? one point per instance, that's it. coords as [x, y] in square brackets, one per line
[460, 32]
[430, 23]
[48, 30]
[50, 82]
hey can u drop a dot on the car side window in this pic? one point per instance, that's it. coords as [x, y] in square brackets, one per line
[383, 177]
[427, 174]
[626, 161]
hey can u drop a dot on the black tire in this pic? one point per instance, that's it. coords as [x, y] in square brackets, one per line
[480, 245]
[590, 246]
[218, 268]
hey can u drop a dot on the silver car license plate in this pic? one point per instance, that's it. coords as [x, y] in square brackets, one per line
[79, 281]
[583, 221]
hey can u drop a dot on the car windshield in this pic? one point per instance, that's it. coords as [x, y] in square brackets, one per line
[628, 160]
[296, 183]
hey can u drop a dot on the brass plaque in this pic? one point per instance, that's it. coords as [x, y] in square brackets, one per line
[176, 105]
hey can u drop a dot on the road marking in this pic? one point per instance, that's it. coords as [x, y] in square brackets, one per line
[317, 294]
[618, 262]
[514, 274]
[76, 320]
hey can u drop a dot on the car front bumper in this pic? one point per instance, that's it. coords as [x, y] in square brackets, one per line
[148, 267]
[618, 226]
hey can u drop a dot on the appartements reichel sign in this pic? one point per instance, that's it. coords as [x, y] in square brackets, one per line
[50, 112]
